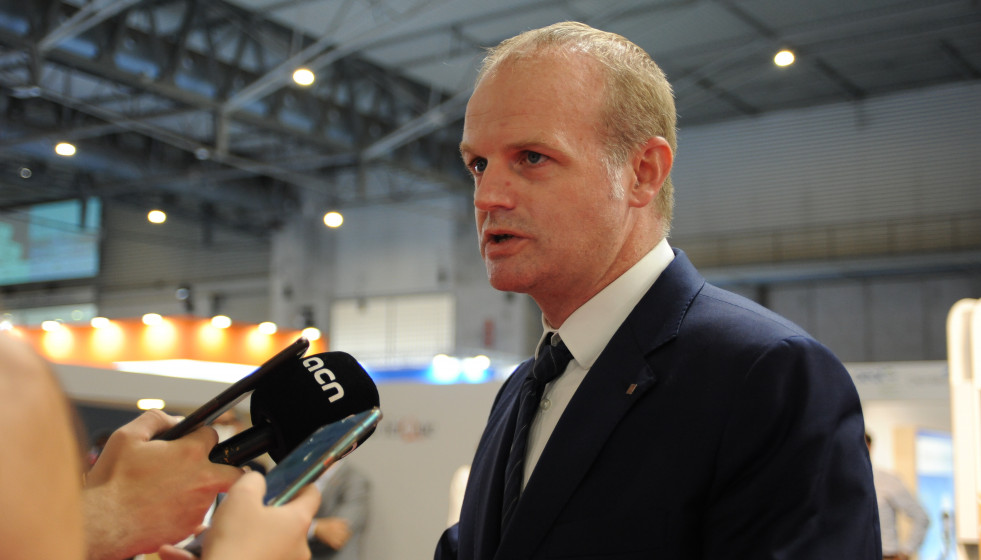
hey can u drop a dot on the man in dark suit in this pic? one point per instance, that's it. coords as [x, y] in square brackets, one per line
[689, 422]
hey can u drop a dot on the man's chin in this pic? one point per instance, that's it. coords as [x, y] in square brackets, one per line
[504, 282]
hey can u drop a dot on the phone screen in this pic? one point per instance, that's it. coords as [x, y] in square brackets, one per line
[316, 454]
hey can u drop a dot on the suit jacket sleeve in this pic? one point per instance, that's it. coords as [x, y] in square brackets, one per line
[792, 478]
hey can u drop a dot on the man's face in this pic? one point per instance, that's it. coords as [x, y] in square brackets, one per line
[547, 222]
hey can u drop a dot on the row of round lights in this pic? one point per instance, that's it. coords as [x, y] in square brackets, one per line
[152, 319]
[331, 219]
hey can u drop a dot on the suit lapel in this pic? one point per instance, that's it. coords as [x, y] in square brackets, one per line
[480, 519]
[619, 379]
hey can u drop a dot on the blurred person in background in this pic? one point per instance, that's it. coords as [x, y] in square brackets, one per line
[895, 500]
[339, 523]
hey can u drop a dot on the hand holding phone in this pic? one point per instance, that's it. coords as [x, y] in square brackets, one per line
[245, 529]
[310, 460]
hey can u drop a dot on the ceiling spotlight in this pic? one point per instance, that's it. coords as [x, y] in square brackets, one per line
[51, 325]
[784, 58]
[99, 322]
[151, 319]
[311, 333]
[267, 327]
[156, 216]
[333, 219]
[221, 322]
[65, 149]
[150, 404]
[304, 77]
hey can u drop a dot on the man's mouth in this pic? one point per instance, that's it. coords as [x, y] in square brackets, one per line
[499, 237]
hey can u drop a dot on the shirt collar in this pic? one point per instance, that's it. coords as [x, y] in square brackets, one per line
[588, 330]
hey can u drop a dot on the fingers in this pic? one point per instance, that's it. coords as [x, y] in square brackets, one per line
[149, 424]
[251, 485]
[169, 552]
[202, 440]
[206, 436]
[306, 501]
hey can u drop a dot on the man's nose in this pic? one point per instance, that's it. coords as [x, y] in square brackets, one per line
[493, 189]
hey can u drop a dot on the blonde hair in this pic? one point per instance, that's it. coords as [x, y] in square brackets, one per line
[638, 104]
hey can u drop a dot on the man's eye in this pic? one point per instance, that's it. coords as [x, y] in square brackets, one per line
[478, 165]
[535, 158]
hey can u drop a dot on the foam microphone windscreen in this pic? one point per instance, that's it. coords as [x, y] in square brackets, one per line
[317, 390]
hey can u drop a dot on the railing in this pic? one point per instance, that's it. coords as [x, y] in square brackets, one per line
[894, 237]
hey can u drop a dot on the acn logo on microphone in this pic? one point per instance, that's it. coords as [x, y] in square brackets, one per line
[316, 366]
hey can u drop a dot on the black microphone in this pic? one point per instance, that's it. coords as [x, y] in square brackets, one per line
[310, 392]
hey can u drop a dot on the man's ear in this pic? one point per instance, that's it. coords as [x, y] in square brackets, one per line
[651, 165]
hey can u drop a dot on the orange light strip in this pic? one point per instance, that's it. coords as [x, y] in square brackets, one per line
[191, 338]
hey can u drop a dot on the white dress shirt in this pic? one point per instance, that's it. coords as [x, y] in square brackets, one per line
[586, 333]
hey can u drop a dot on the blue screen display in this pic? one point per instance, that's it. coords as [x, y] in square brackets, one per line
[54, 241]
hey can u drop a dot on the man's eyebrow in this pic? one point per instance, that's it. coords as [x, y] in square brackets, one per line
[530, 144]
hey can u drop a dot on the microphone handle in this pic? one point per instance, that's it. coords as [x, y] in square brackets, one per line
[244, 446]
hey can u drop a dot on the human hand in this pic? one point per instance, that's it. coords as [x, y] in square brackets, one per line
[244, 529]
[332, 531]
[142, 493]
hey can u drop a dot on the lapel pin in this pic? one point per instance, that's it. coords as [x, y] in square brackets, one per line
[630, 390]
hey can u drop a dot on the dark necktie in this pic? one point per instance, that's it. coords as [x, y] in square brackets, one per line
[551, 362]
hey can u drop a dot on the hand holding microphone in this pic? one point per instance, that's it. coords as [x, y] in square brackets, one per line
[305, 394]
[308, 416]
[142, 493]
[146, 490]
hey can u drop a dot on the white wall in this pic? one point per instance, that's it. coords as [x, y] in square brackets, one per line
[427, 433]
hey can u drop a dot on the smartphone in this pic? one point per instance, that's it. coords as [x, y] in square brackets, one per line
[231, 396]
[310, 460]
[314, 456]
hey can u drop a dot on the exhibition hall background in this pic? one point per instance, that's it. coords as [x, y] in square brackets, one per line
[866, 217]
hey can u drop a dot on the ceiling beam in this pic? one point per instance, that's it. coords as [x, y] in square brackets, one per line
[89, 16]
[321, 53]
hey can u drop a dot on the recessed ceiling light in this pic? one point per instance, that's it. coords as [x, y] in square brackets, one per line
[156, 216]
[65, 149]
[151, 319]
[311, 333]
[784, 58]
[150, 404]
[333, 219]
[304, 76]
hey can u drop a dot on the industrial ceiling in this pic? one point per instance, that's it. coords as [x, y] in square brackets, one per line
[190, 104]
